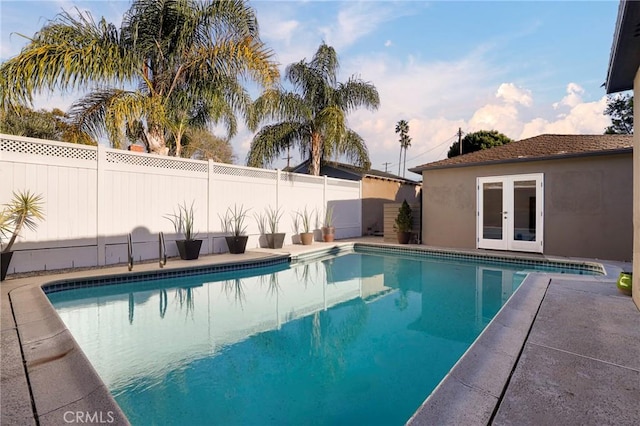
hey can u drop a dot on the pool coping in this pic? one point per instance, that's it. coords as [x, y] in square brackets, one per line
[51, 358]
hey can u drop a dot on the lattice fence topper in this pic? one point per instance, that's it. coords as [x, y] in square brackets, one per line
[244, 171]
[79, 152]
[123, 157]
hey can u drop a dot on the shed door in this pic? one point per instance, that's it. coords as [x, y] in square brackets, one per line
[510, 215]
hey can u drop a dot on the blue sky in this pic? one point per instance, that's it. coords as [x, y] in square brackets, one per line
[522, 68]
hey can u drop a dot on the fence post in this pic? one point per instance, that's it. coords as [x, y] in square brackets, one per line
[101, 220]
[210, 199]
[360, 205]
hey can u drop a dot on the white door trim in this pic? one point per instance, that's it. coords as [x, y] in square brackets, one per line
[505, 236]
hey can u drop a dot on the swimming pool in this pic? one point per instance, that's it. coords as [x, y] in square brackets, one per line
[355, 338]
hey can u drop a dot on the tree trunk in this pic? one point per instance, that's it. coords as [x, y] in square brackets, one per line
[157, 144]
[404, 165]
[316, 155]
[178, 147]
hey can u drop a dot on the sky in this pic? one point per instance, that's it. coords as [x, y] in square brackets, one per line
[521, 68]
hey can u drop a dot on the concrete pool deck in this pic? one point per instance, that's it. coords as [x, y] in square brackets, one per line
[563, 350]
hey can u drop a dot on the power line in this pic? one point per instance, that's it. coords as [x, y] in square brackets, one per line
[448, 140]
[385, 166]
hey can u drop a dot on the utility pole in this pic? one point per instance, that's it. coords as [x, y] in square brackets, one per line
[288, 157]
[460, 139]
[385, 166]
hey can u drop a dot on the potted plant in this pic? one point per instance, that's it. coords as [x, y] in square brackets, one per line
[234, 223]
[261, 220]
[328, 230]
[24, 210]
[306, 236]
[275, 239]
[295, 220]
[183, 220]
[404, 223]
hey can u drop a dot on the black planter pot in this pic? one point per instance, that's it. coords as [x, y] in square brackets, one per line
[189, 249]
[275, 241]
[237, 244]
[5, 259]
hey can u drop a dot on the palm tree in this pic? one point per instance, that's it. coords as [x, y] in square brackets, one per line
[405, 142]
[314, 117]
[172, 65]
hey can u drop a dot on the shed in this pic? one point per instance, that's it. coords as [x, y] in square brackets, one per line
[564, 195]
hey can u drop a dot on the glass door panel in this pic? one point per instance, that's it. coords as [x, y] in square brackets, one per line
[524, 210]
[492, 228]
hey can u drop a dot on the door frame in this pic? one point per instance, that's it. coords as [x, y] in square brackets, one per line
[508, 242]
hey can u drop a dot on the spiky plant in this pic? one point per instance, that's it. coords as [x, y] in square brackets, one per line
[25, 209]
[183, 221]
[306, 218]
[234, 219]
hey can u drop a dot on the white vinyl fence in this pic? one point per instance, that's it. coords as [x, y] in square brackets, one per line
[95, 196]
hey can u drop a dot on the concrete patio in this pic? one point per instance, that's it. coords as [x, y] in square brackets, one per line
[564, 350]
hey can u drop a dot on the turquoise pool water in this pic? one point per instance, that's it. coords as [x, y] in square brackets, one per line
[352, 339]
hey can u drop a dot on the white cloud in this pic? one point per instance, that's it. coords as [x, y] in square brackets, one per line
[357, 19]
[282, 32]
[501, 117]
[583, 118]
[510, 93]
[388, 43]
[573, 98]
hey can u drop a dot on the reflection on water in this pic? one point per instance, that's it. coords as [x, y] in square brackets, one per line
[350, 339]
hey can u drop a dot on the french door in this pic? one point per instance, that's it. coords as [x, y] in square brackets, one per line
[510, 212]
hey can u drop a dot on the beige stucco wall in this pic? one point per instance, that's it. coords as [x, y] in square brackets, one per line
[377, 192]
[587, 205]
[636, 198]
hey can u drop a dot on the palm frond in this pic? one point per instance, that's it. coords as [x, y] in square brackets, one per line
[106, 112]
[277, 105]
[273, 140]
[69, 52]
[330, 122]
[325, 60]
[353, 147]
[357, 93]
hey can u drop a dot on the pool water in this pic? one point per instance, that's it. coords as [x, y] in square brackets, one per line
[351, 339]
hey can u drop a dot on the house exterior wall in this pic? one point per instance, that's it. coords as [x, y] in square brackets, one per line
[377, 192]
[636, 197]
[587, 205]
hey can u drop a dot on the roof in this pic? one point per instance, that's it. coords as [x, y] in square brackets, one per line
[543, 147]
[625, 49]
[349, 171]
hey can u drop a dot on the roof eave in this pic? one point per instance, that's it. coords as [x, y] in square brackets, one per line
[625, 150]
[400, 180]
[625, 49]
